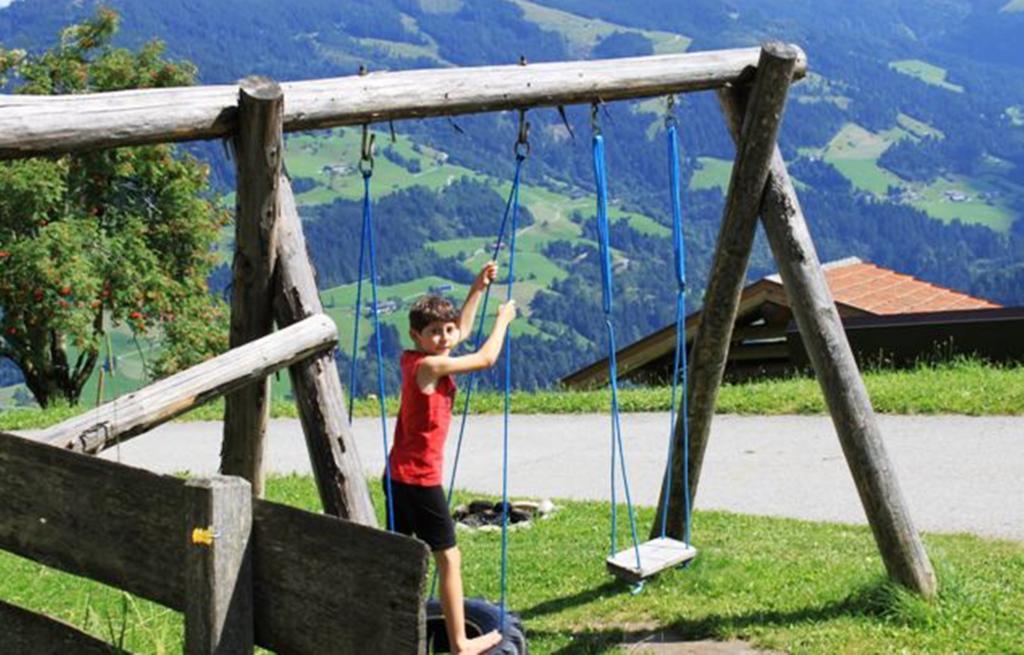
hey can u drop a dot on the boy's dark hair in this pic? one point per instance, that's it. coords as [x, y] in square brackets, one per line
[430, 309]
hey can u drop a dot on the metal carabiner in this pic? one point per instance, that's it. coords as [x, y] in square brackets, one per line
[595, 121]
[670, 110]
[366, 151]
[522, 145]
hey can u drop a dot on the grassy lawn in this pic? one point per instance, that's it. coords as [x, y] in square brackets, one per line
[854, 151]
[784, 584]
[1016, 114]
[935, 201]
[927, 73]
[963, 387]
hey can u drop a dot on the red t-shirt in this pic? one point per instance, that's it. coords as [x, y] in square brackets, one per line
[422, 427]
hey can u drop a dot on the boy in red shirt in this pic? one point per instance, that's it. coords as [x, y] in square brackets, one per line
[424, 414]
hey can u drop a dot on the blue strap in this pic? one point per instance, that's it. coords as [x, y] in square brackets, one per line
[679, 366]
[372, 251]
[603, 230]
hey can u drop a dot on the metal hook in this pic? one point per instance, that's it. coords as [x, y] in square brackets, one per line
[522, 146]
[565, 121]
[366, 151]
[595, 122]
[670, 110]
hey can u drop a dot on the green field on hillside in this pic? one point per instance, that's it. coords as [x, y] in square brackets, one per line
[582, 33]
[927, 73]
[712, 173]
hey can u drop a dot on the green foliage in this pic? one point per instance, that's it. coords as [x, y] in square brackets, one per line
[104, 238]
[792, 586]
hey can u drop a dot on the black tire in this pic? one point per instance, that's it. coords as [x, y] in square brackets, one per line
[481, 618]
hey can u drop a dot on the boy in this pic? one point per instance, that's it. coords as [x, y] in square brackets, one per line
[424, 414]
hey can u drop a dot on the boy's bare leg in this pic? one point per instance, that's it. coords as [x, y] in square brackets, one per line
[449, 566]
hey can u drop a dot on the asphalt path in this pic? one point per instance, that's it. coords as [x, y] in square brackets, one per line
[958, 473]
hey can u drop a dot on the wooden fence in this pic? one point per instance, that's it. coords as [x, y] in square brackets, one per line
[242, 570]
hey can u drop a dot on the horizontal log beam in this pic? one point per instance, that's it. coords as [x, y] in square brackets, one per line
[161, 401]
[49, 125]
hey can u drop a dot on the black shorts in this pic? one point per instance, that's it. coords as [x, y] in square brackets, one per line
[422, 512]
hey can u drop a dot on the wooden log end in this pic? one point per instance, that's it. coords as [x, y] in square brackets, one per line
[782, 50]
[260, 88]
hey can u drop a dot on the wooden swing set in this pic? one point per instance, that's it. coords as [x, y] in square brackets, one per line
[274, 281]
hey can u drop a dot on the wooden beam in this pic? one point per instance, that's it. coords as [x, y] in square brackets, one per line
[729, 271]
[259, 148]
[25, 631]
[48, 125]
[143, 410]
[218, 566]
[822, 332]
[337, 467]
[320, 584]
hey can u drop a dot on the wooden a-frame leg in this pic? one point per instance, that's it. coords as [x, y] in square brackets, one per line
[332, 449]
[829, 351]
[728, 271]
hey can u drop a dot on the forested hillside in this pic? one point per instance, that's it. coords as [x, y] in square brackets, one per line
[907, 140]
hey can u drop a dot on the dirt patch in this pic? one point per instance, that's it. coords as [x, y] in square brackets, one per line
[667, 644]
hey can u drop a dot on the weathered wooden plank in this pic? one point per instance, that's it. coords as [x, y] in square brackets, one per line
[729, 270]
[324, 585]
[218, 566]
[47, 125]
[138, 412]
[656, 555]
[321, 584]
[829, 351]
[259, 148]
[90, 517]
[24, 631]
[332, 448]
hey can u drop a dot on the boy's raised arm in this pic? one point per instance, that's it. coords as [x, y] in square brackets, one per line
[468, 313]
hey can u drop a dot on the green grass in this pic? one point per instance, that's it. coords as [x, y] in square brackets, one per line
[934, 201]
[918, 128]
[963, 387]
[783, 584]
[582, 33]
[1016, 114]
[712, 173]
[927, 73]
[1013, 5]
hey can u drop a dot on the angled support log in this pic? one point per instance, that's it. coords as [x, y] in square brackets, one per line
[218, 566]
[729, 269]
[829, 351]
[332, 448]
[143, 410]
[258, 151]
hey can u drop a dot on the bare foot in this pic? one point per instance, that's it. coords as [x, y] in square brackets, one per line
[479, 644]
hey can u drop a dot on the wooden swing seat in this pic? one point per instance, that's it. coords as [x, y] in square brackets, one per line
[656, 555]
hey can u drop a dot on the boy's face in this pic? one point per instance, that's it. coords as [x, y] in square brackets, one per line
[438, 338]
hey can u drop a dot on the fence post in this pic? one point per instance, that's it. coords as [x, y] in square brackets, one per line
[218, 566]
[259, 149]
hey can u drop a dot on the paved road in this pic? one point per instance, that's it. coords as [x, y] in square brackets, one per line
[959, 474]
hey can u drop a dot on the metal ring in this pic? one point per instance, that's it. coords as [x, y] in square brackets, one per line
[522, 149]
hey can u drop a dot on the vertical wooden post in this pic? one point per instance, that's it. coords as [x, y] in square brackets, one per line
[829, 351]
[332, 448]
[218, 566]
[258, 153]
[729, 268]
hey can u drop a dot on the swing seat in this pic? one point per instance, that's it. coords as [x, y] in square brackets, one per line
[656, 555]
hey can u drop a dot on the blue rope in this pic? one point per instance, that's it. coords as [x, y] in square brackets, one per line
[368, 233]
[508, 398]
[679, 365]
[477, 340]
[603, 230]
[353, 378]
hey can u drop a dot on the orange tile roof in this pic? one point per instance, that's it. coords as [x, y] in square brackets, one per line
[882, 291]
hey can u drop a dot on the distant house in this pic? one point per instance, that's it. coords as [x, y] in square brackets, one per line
[441, 288]
[336, 169]
[383, 307]
[888, 317]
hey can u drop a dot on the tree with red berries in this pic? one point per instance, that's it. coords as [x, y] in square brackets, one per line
[118, 237]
